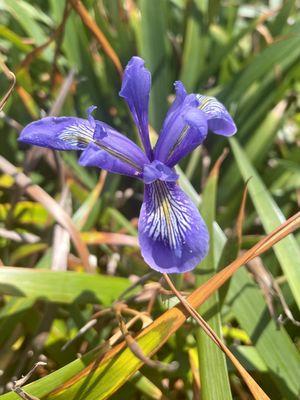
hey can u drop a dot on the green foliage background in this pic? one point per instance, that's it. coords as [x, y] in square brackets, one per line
[247, 55]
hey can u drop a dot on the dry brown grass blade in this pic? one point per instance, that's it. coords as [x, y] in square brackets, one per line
[38, 50]
[213, 284]
[255, 389]
[38, 194]
[138, 352]
[28, 101]
[216, 168]
[271, 291]
[241, 215]
[17, 385]
[24, 237]
[11, 77]
[118, 239]
[95, 30]
[170, 321]
[61, 237]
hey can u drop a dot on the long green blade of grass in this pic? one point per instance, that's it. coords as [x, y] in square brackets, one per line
[154, 51]
[273, 345]
[61, 287]
[287, 251]
[212, 362]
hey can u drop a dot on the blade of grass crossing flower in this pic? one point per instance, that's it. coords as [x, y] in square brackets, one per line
[154, 51]
[287, 251]
[277, 360]
[95, 376]
[255, 389]
[212, 362]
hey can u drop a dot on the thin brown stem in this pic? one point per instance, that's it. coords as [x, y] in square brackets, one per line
[255, 389]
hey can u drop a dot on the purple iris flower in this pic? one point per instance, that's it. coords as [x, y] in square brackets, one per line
[172, 234]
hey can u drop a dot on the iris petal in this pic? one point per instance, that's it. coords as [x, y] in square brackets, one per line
[193, 133]
[177, 103]
[185, 127]
[58, 133]
[158, 171]
[172, 234]
[219, 119]
[136, 90]
[113, 152]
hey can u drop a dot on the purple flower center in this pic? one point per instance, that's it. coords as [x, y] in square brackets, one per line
[158, 171]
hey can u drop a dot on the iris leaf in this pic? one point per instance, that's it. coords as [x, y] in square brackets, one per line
[61, 287]
[212, 362]
[287, 251]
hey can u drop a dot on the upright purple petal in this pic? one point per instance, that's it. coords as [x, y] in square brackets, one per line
[177, 103]
[135, 90]
[184, 129]
[192, 135]
[113, 152]
[172, 235]
[60, 133]
[219, 119]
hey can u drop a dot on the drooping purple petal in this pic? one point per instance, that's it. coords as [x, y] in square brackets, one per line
[135, 90]
[219, 119]
[184, 130]
[157, 170]
[60, 133]
[172, 234]
[113, 152]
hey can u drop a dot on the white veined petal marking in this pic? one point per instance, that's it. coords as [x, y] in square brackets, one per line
[82, 134]
[77, 134]
[168, 218]
[210, 105]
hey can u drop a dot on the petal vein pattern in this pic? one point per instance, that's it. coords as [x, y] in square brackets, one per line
[77, 135]
[172, 234]
[219, 120]
[168, 219]
[209, 105]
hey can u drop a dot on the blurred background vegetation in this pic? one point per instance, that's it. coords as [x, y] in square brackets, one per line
[67, 55]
